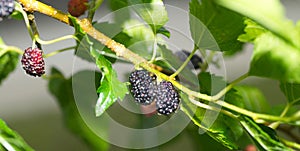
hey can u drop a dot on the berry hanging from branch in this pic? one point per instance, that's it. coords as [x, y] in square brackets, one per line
[143, 86]
[77, 7]
[33, 62]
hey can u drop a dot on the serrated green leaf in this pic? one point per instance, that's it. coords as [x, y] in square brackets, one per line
[269, 14]
[62, 89]
[252, 31]
[275, 51]
[224, 26]
[264, 137]
[152, 12]
[84, 44]
[110, 88]
[11, 140]
[253, 99]
[142, 38]
[291, 92]
[274, 58]
[8, 60]
[222, 128]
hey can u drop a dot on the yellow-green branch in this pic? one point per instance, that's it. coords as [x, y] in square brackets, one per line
[122, 51]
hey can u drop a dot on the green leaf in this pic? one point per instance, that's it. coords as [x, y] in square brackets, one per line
[264, 137]
[110, 88]
[117, 4]
[11, 140]
[120, 9]
[152, 12]
[253, 99]
[164, 32]
[142, 38]
[224, 26]
[84, 49]
[252, 31]
[8, 60]
[17, 14]
[212, 84]
[61, 88]
[84, 45]
[274, 58]
[275, 55]
[291, 92]
[222, 128]
[79, 33]
[269, 14]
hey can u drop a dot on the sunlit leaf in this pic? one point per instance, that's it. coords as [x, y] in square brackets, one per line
[210, 24]
[152, 12]
[275, 58]
[252, 31]
[110, 87]
[270, 14]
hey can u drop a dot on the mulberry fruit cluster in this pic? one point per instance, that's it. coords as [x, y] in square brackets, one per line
[33, 62]
[6, 8]
[145, 90]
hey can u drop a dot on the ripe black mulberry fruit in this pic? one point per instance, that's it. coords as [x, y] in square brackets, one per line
[77, 7]
[167, 98]
[6, 8]
[143, 86]
[33, 62]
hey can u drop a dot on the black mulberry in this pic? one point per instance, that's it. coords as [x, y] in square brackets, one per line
[33, 62]
[6, 8]
[167, 98]
[143, 86]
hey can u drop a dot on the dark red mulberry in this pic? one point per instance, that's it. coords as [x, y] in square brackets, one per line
[77, 7]
[33, 62]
